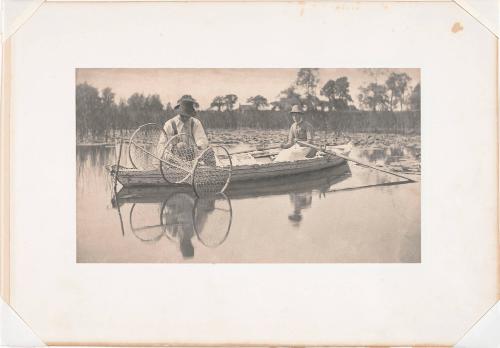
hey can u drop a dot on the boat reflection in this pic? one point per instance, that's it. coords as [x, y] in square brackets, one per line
[178, 215]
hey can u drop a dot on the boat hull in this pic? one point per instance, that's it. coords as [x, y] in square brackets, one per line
[320, 180]
[243, 173]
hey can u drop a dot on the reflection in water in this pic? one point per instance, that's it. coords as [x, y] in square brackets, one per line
[300, 200]
[299, 187]
[178, 214]
[405, 157]
[322, 216]
[179, 218]
[212, 218]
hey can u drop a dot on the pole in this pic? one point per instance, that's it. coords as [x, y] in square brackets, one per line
[354, 160]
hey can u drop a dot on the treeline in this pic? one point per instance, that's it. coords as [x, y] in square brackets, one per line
[99, 116]
[393, 106]
[403, 122]
[394, 94]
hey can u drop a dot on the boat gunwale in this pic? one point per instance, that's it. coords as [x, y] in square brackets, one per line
[286, 164]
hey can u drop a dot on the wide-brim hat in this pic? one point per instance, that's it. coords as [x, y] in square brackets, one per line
[185, 109]
[296, 109]
[185, 105]
[186, 98]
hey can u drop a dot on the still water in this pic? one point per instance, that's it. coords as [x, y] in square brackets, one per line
[346, 214]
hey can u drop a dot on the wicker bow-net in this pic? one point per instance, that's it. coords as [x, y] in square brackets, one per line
[144, 223]
[180, 160]
[179, 156]
[145, 147]
[212, 171]
[212, 217]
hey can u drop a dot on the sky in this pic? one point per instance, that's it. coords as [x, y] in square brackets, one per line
[205, 84]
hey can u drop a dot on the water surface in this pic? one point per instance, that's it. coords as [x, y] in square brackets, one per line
[339, 215]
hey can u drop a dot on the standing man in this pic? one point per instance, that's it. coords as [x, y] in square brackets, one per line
[300, 130]
[184, 123]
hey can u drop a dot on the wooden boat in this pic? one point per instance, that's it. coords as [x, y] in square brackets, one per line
[265, 169]
[320, 180]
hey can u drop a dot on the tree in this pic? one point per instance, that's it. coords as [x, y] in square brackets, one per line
[230, 100]
[310, 101]
[391, 86]
[153, 109]
[288, 98]
[107, 96]
[329, 91]
[108, 112]
[307, 81]
[258, 101]
[88, 104]
[169, 110]
[415, 98]
[373, 96]
[375, 73]
[337, 93]
[136, 109]
[397, 84]
[342, 91]
[218, 102]
[123, 117]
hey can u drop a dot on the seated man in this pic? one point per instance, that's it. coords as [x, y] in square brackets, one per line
[192, 136]
[300, 130]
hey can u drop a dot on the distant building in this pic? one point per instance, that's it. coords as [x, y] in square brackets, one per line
[276, 106]
[246, 107]
[323, 105]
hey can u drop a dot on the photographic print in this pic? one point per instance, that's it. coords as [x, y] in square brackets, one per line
[301, 165]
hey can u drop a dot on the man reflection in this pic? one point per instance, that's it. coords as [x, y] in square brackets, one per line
[179, 223]
[303, 200]
[204, 207]
[300, 200]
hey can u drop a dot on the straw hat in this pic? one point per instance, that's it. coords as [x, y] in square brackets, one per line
[186, 98]
[296, 109]
[185, 105]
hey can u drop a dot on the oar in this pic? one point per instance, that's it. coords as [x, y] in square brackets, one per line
[257, 149]
[353, 160]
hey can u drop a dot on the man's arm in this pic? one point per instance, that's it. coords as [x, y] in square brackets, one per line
[310, 133]
[291, 139]
[164, 136]
[200, 137]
